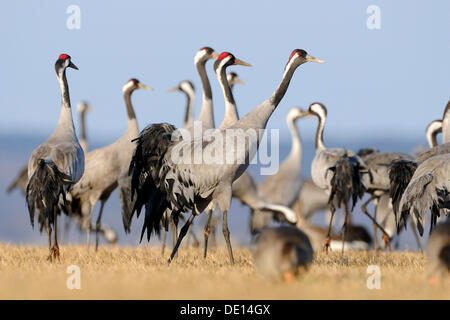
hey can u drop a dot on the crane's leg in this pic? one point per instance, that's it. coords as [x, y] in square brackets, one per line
[385, 234]
[48, 228]
[375, 229]
[54, 251]
[330, 224]
[344, 227]
[98, 225]
[207, 230]
[416, 236]
[174, 227]
[164, 236]
[86, 213]
[226, 234]
[181, 236]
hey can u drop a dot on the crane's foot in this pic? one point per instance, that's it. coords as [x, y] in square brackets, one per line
[387, 242]
[54, 254]
[288, 277]
[326, 247]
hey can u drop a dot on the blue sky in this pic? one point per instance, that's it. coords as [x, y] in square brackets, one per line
[375, 83]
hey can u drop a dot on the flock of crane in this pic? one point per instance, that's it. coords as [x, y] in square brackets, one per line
[63, 176]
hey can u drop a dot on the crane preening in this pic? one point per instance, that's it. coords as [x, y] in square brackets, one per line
[160, 183]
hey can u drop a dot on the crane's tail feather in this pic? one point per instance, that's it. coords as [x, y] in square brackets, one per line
[145, 169]
[419, 197]
[127, 204]
[44, 190]
[346, 182]
[400, 174]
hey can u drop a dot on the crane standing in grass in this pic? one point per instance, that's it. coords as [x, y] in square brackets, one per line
[55, 165]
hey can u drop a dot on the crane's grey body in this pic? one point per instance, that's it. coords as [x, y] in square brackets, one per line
[310, 199]
[281, 250]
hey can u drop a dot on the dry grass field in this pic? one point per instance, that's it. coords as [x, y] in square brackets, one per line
[142, 273]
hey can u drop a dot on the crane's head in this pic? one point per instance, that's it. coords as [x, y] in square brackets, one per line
[233, 79]
[435, 126]
[63, 62]
[83, 106]
[134, 84]
[317, 109]
[226, 59]
[300, 56]
[296, 113]
[185, 86]
[204, 54]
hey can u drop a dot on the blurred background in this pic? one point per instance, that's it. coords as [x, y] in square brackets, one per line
[381, 86]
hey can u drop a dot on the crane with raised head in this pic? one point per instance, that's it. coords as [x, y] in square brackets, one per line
[55, 165]
[163, 178]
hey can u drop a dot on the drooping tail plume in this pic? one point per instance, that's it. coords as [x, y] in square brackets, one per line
[346, 182]
[44, 189]
[400, 174]
[151, 147]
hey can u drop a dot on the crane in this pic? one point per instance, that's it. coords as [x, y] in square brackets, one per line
[55, 165]
[162, 181]
[103, 166]
[337, 171]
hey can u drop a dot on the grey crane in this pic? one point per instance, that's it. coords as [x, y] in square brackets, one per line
[310, 199]
[438, 251]
[243, 188]
[103, 166]
[281, 251]
[162, 177]
[337, 171]
[21, 179]
[55, 165]
[284, 186]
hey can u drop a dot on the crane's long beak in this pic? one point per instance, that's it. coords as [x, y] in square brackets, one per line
[143, 86]
[173, 89]
[239, 81]
[71, 65]
[241, 63]
[313, 59]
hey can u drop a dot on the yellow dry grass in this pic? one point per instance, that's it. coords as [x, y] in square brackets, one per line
[142, 273]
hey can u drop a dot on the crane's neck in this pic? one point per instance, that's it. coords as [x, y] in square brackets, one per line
[132, 125]
[295, 156]
[83, 135]
[432, 138]
[446, 124]
[231, 113]
[189, 116]
[258, 117]
[65, 118]
[319, 134]
[206, 113]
